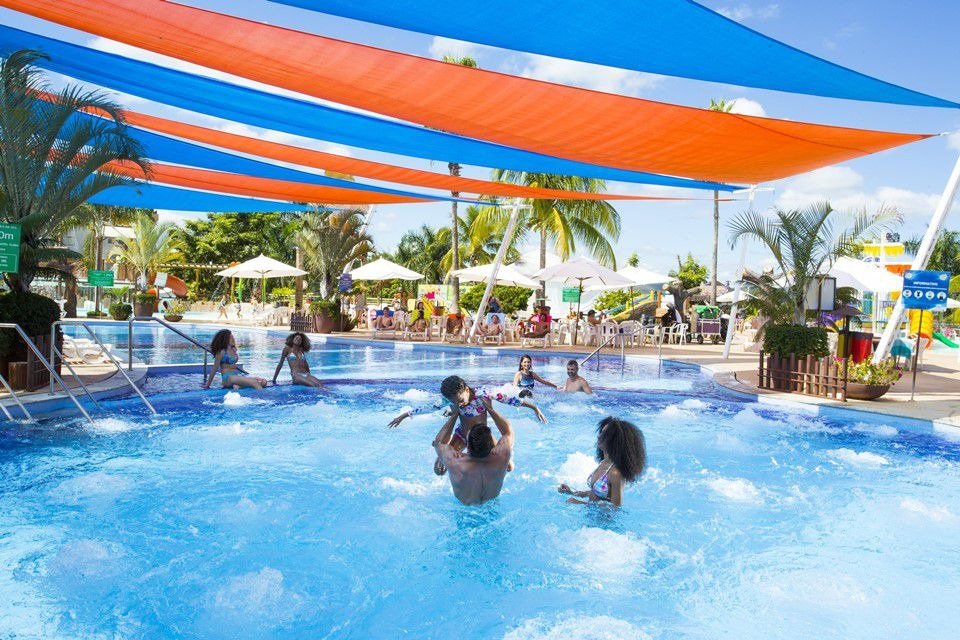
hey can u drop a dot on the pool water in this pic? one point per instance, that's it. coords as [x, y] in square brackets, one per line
[295, 513]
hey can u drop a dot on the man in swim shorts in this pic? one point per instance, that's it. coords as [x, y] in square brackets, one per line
[575, 382]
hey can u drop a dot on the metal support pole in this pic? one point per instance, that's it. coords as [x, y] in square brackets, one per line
[921, 259]
[13, 394]
[119, 367]
[732, 322]
[501, 254]
[623, 356]
[916, 359]
[130, 343]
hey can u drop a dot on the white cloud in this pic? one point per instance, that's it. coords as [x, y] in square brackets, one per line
[747, 107]
[590, 76]
[953, 140]
[845, 190]
[440, 47]
[744, 12]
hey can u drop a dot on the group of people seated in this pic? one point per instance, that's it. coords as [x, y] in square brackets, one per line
[226, 361]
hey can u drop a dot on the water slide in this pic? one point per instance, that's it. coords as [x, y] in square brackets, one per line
[945, 340]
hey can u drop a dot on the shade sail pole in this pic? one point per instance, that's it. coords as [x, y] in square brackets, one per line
[732, 322]
[921, 259]
[501, 254]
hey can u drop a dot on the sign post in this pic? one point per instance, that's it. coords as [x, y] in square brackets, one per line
[924, 291]
[571, 294]
[344, 284]
[99, 278]
[9, 248]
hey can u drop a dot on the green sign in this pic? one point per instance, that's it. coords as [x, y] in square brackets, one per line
[97, 278]
[9, 248]
[571, 294]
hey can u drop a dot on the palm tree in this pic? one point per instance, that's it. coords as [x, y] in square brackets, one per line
[725, 107]
[593, 223]
[454, 167]
[50, 162]
[476, 249]
[805, 243]
[331, 241]
[423, 251]
[153, 243]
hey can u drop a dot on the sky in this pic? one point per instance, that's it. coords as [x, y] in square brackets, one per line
[911, 44]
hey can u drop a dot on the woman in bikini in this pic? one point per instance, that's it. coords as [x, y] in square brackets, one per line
[295, 354]
[467, 403]
[525, 377]
[622, 457]
[225, 359]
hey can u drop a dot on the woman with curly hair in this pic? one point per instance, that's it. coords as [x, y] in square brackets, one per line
[225, 359]
[622, 457]
[295, 354]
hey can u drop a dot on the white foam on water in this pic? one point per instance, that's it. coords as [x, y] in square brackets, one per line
[750, 417]
[816, 587]
[394, 508]
[604, 555]
[228, 429]
[85, 559]
[412, 488]
[116, 425]
[234, 399]
[414, 396]
[92, 485]
[937, 513]
[575, 469]
[879, 430]
[859, 459]
[654, 384]
[693, 404]
[676, 412]
[726, 442]
[259, 595]
[736, 490]
[573, 408]
[573, 627]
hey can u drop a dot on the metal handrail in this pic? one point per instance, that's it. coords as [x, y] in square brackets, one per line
[106, 352]
[597, 350]
[164, 323]
[46, 364]
[13, 394]
[54, 351]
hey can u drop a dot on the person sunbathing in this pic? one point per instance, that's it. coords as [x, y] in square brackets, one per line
[539, 324]
[491, 329]
[418, 319]
[384, 319]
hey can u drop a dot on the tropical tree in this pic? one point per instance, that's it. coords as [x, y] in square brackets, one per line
[331, 241]
[423, 251]
[592, 224]
[51, 162]
[476, 249]
[454, 168]
[153, 243]
[805, 243]
[633, 260]
[725, 107]
[946, 251]
[688, 275]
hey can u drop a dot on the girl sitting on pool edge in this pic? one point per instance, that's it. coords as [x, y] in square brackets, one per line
[225, 359]
[622, 454]
[294, 354]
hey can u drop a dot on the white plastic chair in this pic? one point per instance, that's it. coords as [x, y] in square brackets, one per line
[628, 332]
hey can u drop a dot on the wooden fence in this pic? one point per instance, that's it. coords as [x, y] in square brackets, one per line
[821, 377]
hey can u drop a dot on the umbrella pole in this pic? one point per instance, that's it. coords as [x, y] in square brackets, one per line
[501, 254]
[576, 321]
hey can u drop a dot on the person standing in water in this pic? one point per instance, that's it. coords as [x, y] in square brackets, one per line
[575, 382]
[622, 457]
[525, 377]
[295, 354]
[225, 359]
[477, 476]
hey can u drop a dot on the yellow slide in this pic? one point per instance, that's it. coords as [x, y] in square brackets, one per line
[925, 329]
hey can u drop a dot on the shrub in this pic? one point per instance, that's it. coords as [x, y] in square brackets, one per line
[331, 309]
[512, 299]
[611, 299]
[143, 297]
[281, 294]
[953, 317]
[33, 312]
[887, 372]
[801, 341]
[120, 311]
[178, 308]
[96, 314]
[116, 293]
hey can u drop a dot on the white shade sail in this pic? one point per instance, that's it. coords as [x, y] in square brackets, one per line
[582, 271]
[640, 278]
[506, 275]
[864, 276]
[381, 269]
[727, 298]
[261, 267]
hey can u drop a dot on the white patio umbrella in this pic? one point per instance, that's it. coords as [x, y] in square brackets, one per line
[382, 269]
[506, 275]
[639, 278]
[261, 267]
[864, 276]
[583, 273]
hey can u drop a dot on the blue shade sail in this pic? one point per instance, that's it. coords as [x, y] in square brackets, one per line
[155, 196]
[670, 37]
[298, 117]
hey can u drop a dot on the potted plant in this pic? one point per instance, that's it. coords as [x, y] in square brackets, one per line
[120, 311]
[326, 315]
[144, 304]
[868, 381]
[177, 309]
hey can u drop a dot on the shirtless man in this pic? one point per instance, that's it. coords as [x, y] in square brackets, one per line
[575, 382]
[477, 475]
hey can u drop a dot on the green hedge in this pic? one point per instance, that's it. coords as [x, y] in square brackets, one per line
[33, 312]
[120, 311]
[511, 298]
[796, 339]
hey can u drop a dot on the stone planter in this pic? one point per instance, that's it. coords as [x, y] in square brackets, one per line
[323, 323]
[861, 391]
[144, 309]
[173, 317]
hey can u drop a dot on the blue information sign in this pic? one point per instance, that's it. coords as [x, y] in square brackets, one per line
[926, 289]
[345, 283]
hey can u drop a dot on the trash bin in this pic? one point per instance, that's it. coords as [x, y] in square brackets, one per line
[861, 345]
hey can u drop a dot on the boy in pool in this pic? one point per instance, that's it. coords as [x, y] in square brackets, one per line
[467, 405]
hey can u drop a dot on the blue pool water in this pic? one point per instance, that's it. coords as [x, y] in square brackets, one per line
[298, 514]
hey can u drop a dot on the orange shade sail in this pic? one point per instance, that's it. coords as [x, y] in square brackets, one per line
[252, 186]
[569, 122]
[358, 167]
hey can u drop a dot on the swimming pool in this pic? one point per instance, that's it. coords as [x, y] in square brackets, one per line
[298, 514]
